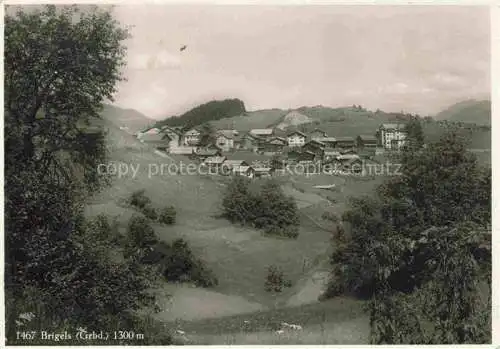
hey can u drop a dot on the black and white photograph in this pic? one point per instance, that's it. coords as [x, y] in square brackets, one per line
[237, 174]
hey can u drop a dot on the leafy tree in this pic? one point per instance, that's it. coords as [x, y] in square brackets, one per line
[58, 71]
[140, 232]
[139, 199]
[450, 306]
[419, 250]
[415, 133]
[275, 280]
[266, 207]
[167, 215]
[444, 183]
[150, 212]
[208, 135]
[60, 66]
[236, 200]
[177, 262]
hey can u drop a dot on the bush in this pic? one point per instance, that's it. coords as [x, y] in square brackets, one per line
[168, 215]
[140, 232]
[139, 200]
[275, 281]
[202, 276]
[150, 212]
[178, 263]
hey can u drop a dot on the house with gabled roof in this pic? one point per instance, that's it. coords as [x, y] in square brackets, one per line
[262, 132]
[366, 141]
[233, 166]
[160, 141]
[249, 141]
[345, 142]
[252, 158]
[317, 133]
[214, 162]
[315, 147]
[328, 141]
[274, 145]
[225, 140]
[262, 172]
[246, 171]
[293, 155]
[203, 153]
[330, 153]
[191, 137]
[307, 156]
[296, 138]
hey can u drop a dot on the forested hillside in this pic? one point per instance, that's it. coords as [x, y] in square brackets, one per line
[213, 110]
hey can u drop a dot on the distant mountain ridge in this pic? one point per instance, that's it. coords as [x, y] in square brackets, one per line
[469, 111]
[133, 120]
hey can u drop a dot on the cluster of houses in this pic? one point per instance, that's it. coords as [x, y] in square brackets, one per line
[259, 151]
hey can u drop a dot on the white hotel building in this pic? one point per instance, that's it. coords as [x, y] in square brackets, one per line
[392, 136]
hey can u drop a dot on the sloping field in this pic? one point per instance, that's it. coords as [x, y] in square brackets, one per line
[239, 256]
[185, 302]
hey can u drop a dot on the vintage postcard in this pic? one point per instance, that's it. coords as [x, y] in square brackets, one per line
[211, 174]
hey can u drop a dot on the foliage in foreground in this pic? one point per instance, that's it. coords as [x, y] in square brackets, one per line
[420, 249]
[60, 65]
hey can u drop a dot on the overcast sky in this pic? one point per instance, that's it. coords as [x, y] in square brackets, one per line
[416, 59]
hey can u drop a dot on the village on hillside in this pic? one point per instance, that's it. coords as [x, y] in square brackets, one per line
[247, 175]
[263, 152]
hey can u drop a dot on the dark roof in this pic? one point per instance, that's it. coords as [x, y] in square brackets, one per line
[233, 163]
[367, 138]
[325, 139]
[207, 152]
[345, 139]
[249, 134]
[282, 140]
[312, 141]
[159, 137]
[167, 128]
[296, 131]
[248, 156]
[350, 150]
[196, 128]
[350, 161]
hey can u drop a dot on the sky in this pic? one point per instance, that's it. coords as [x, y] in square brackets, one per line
[418, 59]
